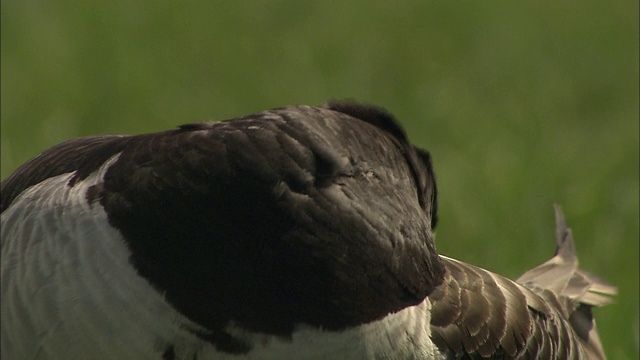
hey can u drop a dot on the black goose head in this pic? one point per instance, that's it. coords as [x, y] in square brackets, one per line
[321, 216]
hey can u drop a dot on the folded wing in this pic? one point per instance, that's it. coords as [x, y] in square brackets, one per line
[545, 314]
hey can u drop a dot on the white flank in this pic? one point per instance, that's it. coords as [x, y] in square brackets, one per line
[403, 335]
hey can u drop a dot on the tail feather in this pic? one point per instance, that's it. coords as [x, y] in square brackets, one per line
[575, 289]
[562, 276]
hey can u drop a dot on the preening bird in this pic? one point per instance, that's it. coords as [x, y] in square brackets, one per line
[299, 232]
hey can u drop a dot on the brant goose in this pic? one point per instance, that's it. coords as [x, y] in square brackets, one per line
[299, 232]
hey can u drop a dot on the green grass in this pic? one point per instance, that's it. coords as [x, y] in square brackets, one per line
[521, 104]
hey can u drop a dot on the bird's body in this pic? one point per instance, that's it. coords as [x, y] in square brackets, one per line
[300, 232]
[68, 303]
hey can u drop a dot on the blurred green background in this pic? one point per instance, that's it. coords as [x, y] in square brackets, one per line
[521, 104]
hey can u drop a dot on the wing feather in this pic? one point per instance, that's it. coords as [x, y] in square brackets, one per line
[545, 314]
